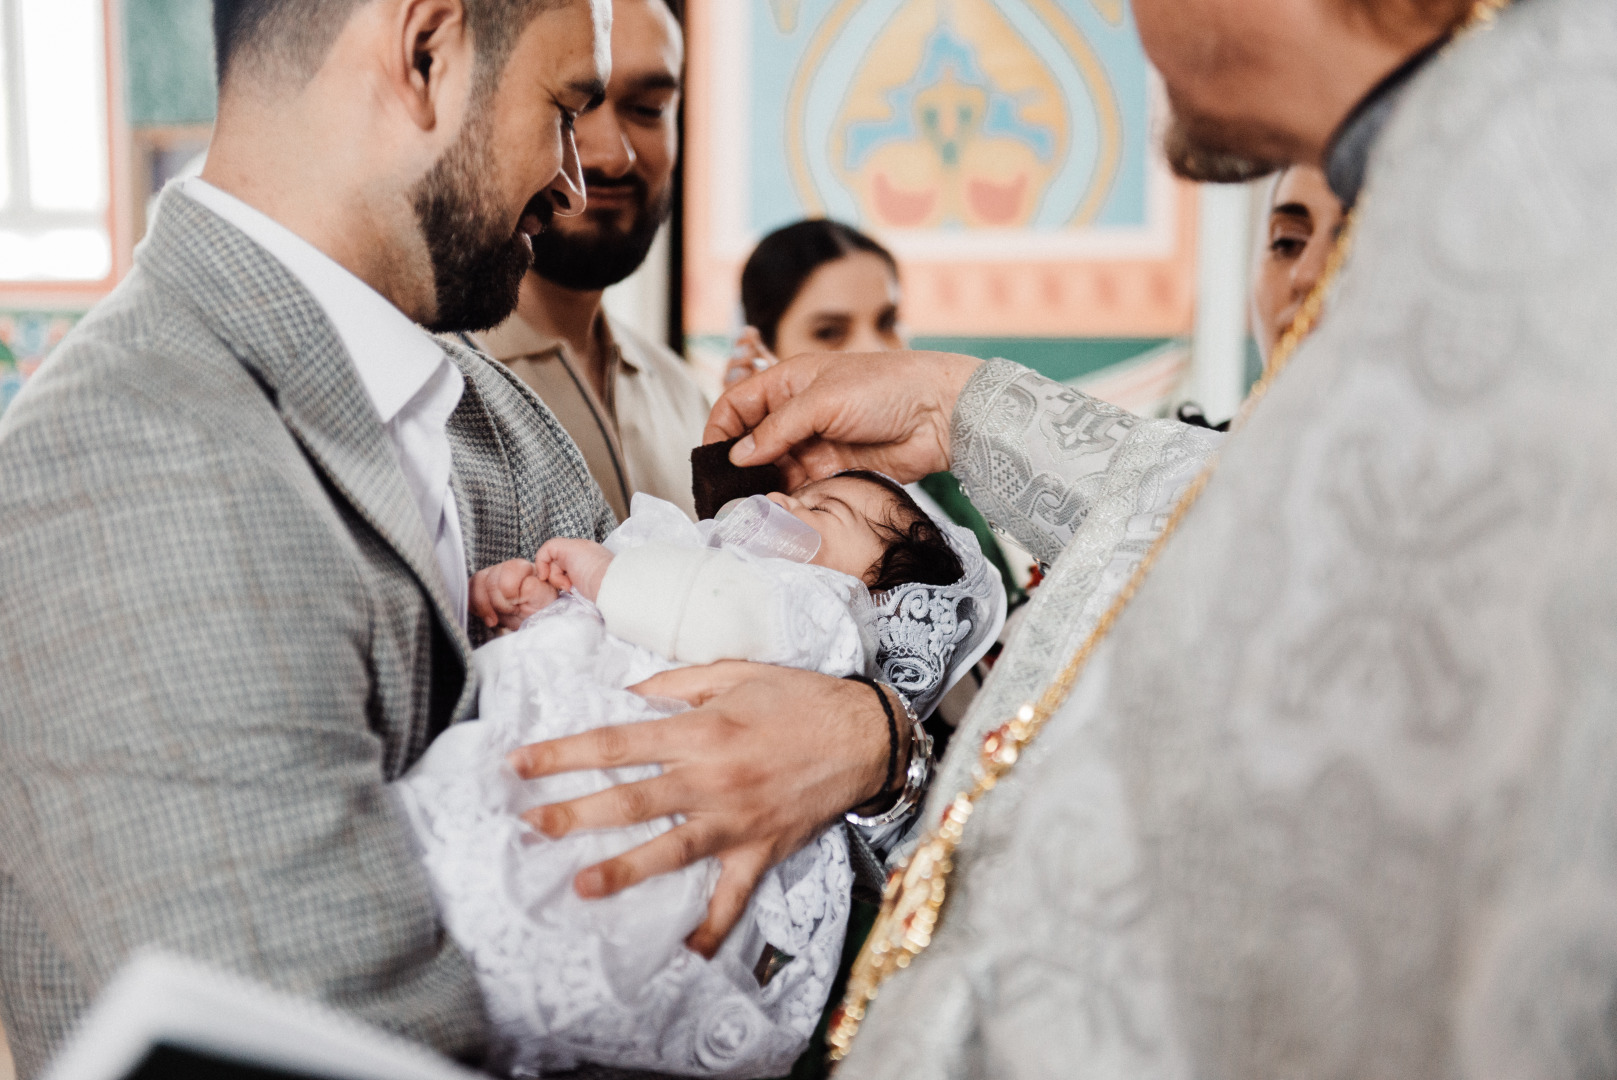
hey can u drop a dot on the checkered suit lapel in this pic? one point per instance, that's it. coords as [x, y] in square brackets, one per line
[519, 479]
[485, 489]
[282, 336]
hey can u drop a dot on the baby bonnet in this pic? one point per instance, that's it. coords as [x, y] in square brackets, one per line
[929, 636]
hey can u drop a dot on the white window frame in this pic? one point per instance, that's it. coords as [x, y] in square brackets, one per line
[115, 220]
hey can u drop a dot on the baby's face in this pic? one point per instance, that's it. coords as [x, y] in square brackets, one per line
[845, 511]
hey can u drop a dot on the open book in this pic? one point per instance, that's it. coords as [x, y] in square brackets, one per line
[173, 1018]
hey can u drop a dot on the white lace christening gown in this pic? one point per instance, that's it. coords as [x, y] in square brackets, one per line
[609, 981]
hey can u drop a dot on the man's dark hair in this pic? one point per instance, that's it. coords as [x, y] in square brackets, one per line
[918, 553]
[784, 260]
[292, 37]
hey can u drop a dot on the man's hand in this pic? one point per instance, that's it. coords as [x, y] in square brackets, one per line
[506, 594]
[764, 761]
[820, 413]
[577, 565]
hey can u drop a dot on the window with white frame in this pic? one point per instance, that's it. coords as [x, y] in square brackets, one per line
[54, 182]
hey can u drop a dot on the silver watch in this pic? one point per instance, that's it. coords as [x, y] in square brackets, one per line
[916, 775]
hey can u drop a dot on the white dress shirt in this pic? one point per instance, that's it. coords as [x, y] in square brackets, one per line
[406, 374]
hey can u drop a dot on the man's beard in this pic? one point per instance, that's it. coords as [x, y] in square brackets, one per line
[586, 255]
[1215, 154]
[477, 259]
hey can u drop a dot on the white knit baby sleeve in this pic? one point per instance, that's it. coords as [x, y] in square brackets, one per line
[695, 605]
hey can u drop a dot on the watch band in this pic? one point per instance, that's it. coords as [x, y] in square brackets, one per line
[917, 773]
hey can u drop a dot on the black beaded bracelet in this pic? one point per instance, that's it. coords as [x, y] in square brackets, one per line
[892, 731]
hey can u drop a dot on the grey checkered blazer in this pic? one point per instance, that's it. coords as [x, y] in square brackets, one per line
[222, 629]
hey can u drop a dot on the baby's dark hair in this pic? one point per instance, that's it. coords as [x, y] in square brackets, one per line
[917, 551]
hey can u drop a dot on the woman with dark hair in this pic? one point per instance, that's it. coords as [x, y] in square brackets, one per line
[822, 286]
[819, 286]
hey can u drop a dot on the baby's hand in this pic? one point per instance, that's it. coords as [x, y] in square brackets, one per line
[578, 565]
[506, 594]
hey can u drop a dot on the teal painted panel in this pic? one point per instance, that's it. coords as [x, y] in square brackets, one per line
[168, 51]
[849, 85]
[26, 339]
[1058, 358]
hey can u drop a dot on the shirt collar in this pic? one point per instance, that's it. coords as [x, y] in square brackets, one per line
[517, 337]
[1347, 158]
[395, 358]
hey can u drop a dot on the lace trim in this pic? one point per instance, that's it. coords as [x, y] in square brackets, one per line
[929, 636]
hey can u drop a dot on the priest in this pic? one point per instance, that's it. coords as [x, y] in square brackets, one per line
[1306, 764]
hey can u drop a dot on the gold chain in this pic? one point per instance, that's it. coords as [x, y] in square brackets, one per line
[917, 888]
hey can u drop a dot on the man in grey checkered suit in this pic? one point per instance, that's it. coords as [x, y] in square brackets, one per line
[239, 507]
[225, 618]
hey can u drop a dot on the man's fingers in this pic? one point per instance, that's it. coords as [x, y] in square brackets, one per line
[626, 804]
[646, 743]
[753, 402]
[738, 409]
[789, 423]
[695, 685]
[678, 847]
[817, 459]
[737, 880]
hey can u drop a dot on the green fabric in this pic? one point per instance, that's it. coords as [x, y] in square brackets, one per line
[945, 491]
[168, 70]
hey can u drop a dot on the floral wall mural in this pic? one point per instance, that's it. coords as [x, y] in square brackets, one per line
[1002, 148]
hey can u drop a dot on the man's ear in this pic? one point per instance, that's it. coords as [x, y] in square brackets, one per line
[433, 52]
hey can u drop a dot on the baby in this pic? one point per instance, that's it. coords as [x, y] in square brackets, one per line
[868, 585]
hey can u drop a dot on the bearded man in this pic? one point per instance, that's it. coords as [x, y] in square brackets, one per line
[628, 402]
[1334, 794]
[242, 462]
[241, 505]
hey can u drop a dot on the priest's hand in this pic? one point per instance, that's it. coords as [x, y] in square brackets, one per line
[819, 413]
[762, 763]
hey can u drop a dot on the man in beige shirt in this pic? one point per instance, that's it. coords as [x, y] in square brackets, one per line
[628, 402]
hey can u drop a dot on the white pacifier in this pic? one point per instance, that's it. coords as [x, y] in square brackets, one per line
[760, 527]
